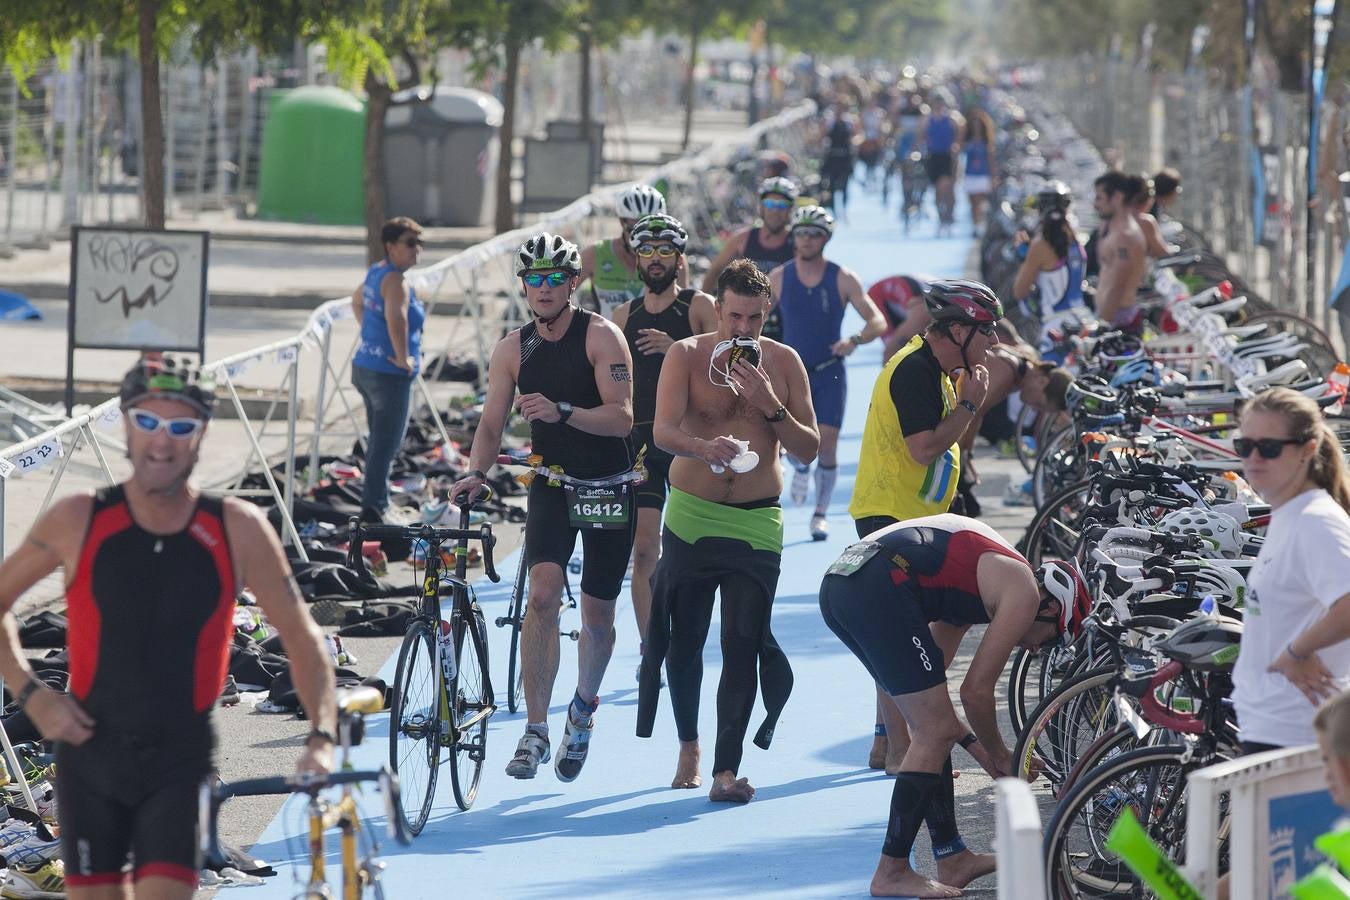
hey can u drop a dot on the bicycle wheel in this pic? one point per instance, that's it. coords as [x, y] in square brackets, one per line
[1056, 528]
[415, 725]
[1152, 783]
[1028, 679]
[1058, 463]
[470, 706]
[515, 678]
[1066, 721]
[1027, 420]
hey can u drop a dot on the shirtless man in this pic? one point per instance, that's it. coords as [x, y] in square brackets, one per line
[1154, 242]
[724, 526]
[1122, 251]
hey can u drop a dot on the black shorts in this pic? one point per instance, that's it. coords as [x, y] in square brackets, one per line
[884, 625]
[869, 524]
[550, 537]
[939, 165]
[119, 795]
[651, 494]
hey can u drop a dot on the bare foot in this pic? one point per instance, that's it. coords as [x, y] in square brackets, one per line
[686, 770]
[877, 757]
[727, 788]
[962, 868]
[894, 878]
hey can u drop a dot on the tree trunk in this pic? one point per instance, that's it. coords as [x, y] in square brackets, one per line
[689, 97]
[377, 104]
[584, 87]
[506, 211]
[152, 119]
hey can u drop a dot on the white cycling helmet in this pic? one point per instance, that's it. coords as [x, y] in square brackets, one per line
[1218, 530]
[1061, 580]
[548, 251]
[640, 200]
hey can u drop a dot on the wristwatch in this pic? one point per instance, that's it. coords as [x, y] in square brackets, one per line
[321, 733]
[21, 700]
[564, 412]
[968, 406]
[779, 415]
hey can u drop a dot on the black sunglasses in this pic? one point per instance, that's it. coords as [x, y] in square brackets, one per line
[1269, 448]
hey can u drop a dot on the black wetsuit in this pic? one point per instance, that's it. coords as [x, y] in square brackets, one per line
[674, 321]
[150, 623]
[766, 259]
[562, 372]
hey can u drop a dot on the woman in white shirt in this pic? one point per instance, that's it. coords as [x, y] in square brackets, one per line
[1295, 651]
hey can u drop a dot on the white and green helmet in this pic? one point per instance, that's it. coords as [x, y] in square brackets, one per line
[548, 251]
[778, 185]
[658, 228]
[640, 200]
[812, 217]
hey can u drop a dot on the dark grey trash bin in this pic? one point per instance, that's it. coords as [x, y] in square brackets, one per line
[440, 157]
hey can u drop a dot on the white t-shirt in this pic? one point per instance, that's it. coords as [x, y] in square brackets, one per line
[1303, 568]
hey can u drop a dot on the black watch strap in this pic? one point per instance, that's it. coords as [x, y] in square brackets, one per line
[778, 415]
[28, 690]
[968, 407]
[321, 733]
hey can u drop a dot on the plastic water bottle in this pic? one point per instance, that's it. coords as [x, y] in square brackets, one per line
[447, 642]
[1209, 606]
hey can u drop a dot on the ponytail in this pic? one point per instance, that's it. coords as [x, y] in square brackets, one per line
[1328, 469]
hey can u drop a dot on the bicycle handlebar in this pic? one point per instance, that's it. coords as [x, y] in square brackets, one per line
[210, 797]
[1145, 691]
[483, 534]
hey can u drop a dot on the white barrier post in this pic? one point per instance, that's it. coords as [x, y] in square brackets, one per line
[320, 405]
[1017, 842]
[1263, 856]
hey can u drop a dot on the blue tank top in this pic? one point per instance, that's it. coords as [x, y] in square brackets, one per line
[977, 158]
[1073, 291]
[812, 316]
[941, 134]
[375, 348]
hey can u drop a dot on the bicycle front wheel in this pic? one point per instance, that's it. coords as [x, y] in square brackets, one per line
[1151, 782]
[415, 725]
[471, 706]
[515, 678]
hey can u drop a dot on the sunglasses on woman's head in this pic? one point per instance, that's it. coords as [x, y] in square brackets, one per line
[665, 251]
[1269, 448]
[554, 279]
[150, 423]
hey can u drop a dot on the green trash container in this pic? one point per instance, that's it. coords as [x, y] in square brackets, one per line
[312, 158]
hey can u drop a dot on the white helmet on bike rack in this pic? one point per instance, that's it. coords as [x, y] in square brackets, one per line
[1220, 531]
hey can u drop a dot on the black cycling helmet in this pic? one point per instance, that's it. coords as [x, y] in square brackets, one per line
[962, 302]
[168, 378]
[658, 227]
[1207, 643]
[1054, 196]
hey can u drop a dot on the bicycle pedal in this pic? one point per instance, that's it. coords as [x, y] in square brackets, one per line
[503, 621]
[573, 634]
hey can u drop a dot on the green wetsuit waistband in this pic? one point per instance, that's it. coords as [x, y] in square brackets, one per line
[691, 518]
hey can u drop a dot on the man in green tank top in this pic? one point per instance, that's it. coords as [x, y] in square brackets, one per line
[609, 268]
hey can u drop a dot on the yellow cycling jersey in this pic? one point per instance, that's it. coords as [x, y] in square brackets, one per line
[889, 481]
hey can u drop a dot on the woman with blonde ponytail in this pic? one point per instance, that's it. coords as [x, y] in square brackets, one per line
[1296, 633]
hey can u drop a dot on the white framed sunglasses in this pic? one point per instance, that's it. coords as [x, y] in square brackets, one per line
[149, 423]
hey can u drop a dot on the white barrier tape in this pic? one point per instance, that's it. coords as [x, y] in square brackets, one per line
[32, 459]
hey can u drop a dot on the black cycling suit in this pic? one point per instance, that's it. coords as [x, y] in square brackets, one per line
[150, 624]
[913, 573]
[562, 372]
[674, 321]
[766, 259]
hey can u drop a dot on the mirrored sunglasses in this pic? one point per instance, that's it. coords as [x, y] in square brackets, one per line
[554, 279]
[150, 423]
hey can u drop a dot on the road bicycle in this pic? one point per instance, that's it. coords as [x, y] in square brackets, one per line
[359, 864]
[442, 693]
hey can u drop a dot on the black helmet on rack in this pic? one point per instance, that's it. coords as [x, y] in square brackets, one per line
[1205, 643]
[962, 302]
[168, 378]
[1054, 196]
[1091, 395]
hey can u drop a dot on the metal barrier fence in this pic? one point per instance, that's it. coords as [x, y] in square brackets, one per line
[1245, 182]
[70, 149]
[479, 279]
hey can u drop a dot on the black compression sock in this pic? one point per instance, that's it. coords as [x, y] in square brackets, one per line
[910, 801]
[941, 816]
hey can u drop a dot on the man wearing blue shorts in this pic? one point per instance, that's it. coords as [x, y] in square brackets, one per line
[811, 294]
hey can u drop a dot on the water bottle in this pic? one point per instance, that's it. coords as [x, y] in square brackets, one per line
[1209, 606]
[447, 642]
